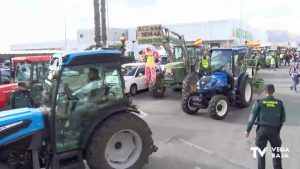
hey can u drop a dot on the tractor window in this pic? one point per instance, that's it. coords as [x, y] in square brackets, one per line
[83, 94]
[221, 61]
[178, 53]
[40, 70]
[22, 72]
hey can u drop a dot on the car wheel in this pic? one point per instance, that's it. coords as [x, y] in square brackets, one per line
[133, 89]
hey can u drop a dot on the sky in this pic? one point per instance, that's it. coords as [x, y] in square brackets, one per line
[33, 21]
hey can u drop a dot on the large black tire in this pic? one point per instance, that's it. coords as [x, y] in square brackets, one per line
[124, 123]
[189, 83]
[157, 91]
[133, 90]
[244, 98]
[218, 107]
[185, 104]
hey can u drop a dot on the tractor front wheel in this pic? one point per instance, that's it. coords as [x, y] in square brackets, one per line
[218, 107]
[122, 141]
[186, 102]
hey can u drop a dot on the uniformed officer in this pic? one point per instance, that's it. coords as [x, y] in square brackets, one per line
[269, 114]
[21, 97]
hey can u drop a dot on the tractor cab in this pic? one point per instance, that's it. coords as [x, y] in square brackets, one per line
[30, 69]
[225, 67]
[85, 115]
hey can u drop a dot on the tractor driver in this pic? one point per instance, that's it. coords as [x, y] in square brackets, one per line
[93, 83]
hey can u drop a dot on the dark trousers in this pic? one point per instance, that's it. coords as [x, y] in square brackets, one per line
[263, 135]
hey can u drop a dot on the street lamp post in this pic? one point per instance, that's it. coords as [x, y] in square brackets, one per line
[133, 48]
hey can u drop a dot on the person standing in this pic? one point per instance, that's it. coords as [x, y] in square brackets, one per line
[273, 63]
[21, 98]
[281, 56]
[294, 72]
[150, 68]
[269, 114]
[287, 58]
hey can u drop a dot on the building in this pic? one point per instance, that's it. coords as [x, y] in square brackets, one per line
[68, 45]
[284, 38]
[222, 33]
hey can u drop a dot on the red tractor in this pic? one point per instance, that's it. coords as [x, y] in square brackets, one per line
[31, 69]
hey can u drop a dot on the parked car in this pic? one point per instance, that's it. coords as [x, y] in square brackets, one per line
[4, 76]
[134, 74]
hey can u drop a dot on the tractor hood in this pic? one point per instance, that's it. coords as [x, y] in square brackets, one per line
[17, 123]
[214, 82]
[174, 65]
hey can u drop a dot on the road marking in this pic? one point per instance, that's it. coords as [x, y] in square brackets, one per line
[142, 114]
[196, 146]
[210, 152]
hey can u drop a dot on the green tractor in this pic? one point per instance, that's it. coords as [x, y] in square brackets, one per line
[183, 66]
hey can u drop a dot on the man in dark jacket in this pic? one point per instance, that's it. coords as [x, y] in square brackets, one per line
[21, 97]
[269, 114]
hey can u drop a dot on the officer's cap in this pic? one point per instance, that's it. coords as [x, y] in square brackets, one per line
[270, 87]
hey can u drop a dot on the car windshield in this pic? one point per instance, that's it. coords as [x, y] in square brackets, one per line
[221, 60]
[129, 70]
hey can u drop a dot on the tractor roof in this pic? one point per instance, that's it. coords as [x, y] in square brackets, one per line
[89, 57]
[32, 59]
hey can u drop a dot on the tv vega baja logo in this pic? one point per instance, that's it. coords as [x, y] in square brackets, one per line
[276, 152]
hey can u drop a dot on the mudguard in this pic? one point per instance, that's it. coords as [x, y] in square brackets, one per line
[18, 123]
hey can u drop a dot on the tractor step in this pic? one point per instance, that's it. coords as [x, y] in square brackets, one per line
[68, 160]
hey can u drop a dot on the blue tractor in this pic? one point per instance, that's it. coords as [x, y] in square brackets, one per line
[85, 115]
[229, 83]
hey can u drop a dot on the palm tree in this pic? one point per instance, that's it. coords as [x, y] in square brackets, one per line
[103, 20]
[97, 24]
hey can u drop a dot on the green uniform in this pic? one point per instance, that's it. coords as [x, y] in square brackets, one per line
[269, 114]
[21, 99]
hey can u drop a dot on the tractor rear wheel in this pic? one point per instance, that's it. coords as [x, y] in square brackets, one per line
[122, 141]
[186, 104]
[244, 99]
[189, 83]
[218, 107]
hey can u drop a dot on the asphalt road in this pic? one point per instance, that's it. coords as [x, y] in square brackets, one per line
[199, 142]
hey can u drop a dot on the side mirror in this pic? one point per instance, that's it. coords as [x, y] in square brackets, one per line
[140, 74]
